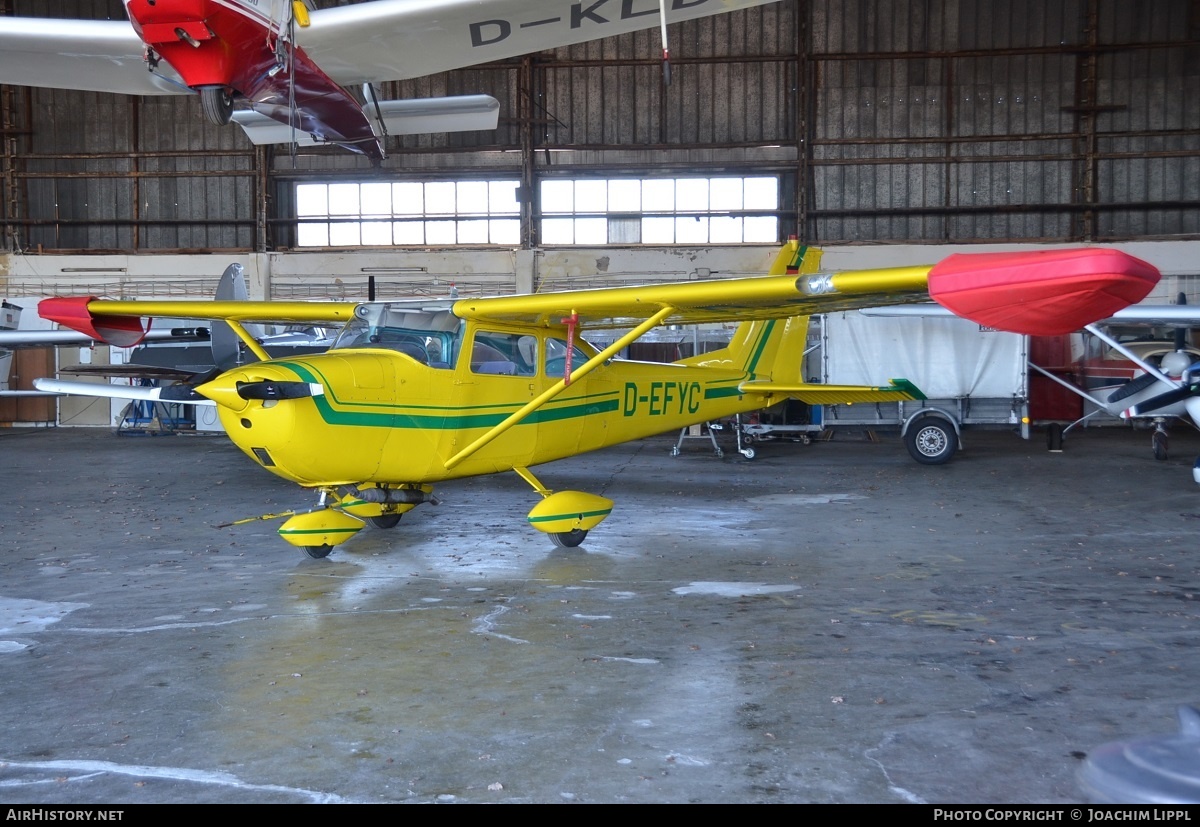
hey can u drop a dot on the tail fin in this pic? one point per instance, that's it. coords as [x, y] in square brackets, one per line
[772, 349]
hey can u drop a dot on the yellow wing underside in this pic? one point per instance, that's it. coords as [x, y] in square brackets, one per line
[778, 295]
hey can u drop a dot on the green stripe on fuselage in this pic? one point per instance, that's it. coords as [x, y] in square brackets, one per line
[393, 415]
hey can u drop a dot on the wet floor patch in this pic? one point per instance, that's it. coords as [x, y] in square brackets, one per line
[803, 499]
[733, 589]
[19, 616]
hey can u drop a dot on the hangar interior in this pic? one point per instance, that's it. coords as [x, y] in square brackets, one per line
[885, 132]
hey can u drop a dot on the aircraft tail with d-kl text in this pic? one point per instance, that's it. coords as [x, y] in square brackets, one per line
[416, 392]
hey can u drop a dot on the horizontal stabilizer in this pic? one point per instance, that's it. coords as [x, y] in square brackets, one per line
[897, 390]
[461, 113]
[66, 338]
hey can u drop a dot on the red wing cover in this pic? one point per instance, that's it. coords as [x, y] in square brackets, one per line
[72, 312]
[1041, 293]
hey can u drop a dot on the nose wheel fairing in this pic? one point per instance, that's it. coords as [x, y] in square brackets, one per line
[325, 528]
[345, 513]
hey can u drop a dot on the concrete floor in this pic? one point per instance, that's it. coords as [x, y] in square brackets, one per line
[830, 623]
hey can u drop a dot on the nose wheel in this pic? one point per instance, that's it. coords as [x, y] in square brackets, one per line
[385, 520]
[568, 539]
[317, 552]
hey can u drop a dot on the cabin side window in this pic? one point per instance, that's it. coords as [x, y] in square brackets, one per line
[556, 358]
[504, 354]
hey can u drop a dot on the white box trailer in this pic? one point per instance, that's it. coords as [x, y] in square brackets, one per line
[970, 375]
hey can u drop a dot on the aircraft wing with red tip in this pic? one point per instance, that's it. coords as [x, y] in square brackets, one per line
[1041, 293]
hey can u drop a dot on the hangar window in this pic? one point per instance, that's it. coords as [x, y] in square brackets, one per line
[718, 210]
[401, 213]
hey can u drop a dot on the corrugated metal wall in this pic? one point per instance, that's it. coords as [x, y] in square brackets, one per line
[1017, 120]
[889, 120]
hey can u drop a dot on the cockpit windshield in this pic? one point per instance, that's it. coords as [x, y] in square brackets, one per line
[431, 335]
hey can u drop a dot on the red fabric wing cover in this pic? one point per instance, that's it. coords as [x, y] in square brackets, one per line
[72, 312]
[1041, 293]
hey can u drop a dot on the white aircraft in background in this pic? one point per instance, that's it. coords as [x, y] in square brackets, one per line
[1156, 381]
[1159, 383]
[291, 64]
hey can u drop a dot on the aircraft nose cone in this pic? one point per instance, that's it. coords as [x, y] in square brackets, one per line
[223, 390]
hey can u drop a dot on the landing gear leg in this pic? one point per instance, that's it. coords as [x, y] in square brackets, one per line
[1158, 441]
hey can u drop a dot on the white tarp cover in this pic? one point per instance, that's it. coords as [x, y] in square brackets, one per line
[946, 357]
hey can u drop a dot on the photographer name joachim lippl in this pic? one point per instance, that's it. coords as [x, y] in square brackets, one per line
[1139, 815]
[1076, 814]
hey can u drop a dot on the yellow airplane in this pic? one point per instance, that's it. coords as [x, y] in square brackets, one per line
[416, 392]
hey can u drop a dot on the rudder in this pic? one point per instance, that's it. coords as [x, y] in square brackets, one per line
[772, 349]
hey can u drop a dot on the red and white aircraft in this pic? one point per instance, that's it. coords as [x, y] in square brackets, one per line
[293, 64]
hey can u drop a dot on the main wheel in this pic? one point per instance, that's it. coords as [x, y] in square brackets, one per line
[385, 520]
[568, 539]
[1054, 437]
[217, 104]
[317, 552]
[931, 440]
[1159, 442]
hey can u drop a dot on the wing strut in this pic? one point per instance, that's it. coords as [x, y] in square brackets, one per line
[258, 350]
[561, 385]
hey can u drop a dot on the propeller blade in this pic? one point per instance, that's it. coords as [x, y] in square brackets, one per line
[1162, 400]
[172, 393]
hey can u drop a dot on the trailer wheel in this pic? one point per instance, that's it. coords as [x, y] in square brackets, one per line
[931, 440]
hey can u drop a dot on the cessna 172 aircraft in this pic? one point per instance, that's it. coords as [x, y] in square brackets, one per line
[291, 64]
[1161, 391]
[416, 392]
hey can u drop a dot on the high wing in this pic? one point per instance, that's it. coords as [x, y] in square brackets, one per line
[398, 39]
[1041, 293]
[368, 42]
[1164, 315]
[89, 55]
